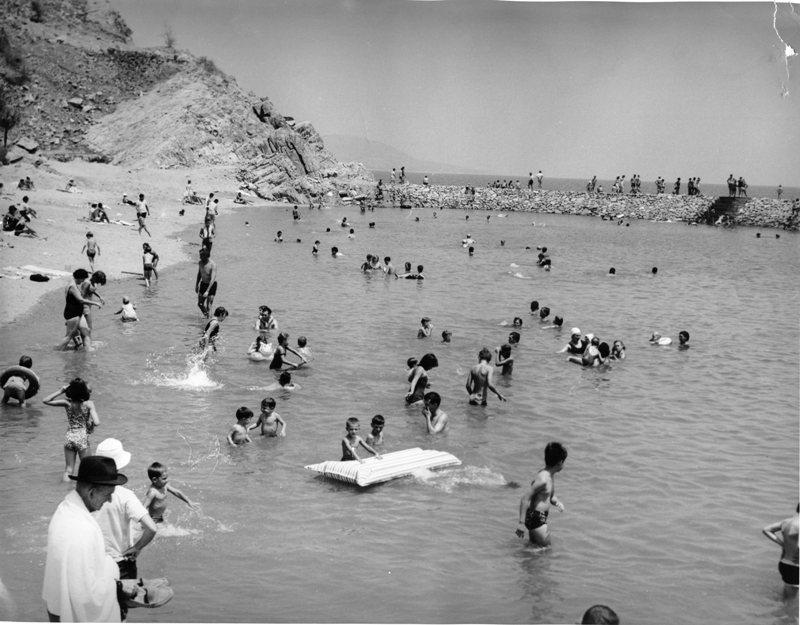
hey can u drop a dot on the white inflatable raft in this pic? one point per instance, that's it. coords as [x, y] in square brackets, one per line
[390, 466]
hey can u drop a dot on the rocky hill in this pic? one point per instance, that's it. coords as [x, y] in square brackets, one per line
[74, 86]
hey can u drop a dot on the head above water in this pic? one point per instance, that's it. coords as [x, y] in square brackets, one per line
[244, 413]
[78, 390]
[554, 452]
[429, 361]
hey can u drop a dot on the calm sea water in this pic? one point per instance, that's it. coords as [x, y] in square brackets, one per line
[707, 188]
[677, 459]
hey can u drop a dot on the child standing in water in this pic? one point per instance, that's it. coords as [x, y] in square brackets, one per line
[280, 352]
[375, 437]
[238, 434]
[426, 329]
[352, 441]
[272, 424]
[81, 420]
[156, 498]
[535, 503]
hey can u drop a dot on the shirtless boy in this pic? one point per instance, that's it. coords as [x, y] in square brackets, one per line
[435, 417]
[272, 424]
[479, 380]
[238, 434]
[206, 282]
[352, 441]
[156, 498]
[375, 437]
[787, 539]
[535, 503]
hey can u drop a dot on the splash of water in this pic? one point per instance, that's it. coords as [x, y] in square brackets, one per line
[194, 377]
[449, 480]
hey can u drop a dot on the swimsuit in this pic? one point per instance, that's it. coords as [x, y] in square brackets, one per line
[277, 358]
[789, 573]
[535, 518]
[419, 390]
[213, 334]
[204, 286]
[79, 424]
[575, 349]
[73, 307]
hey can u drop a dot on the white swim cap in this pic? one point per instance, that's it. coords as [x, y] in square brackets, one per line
[575, 331]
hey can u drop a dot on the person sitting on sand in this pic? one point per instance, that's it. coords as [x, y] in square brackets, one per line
[70, 186]
[14, 222]
[98, 213]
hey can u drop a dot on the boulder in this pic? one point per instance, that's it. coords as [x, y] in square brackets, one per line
[76, 102]
[28, 144]
[14, 155]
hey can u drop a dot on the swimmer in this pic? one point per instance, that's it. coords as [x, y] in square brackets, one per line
[534, 505]
[352, 441]
[618, 350]
[557, 323]
[388, 268]
[479, 380]
[416, 276]
[285, 382]
[534, 307]
[271, 423]
[657, 339]
[446, 336]
[206, 281]
[505, 359]
[208, 342]
[155, 500]
[576, 345]
[265, 322]
[375, 437]
[238, 434]
[279, 237]
[335, 252]
[544, 313]
[303, 349]
[281, 350]
[315, 249]
[787, 539]
[435, 417]
[16, 386]
[128, 311]
[426, 329]
[260, 348]
[517, 322]
[513, 338]
[683, 340]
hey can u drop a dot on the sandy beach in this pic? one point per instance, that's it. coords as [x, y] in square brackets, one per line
[62, 222]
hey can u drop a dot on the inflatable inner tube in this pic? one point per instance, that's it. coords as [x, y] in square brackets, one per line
[22, 372]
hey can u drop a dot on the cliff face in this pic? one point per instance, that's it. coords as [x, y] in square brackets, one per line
[81, 90]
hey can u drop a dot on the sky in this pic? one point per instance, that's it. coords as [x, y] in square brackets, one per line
[574, 89]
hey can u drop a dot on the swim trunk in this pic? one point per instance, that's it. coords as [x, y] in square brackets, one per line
[204, 286]
[76, 440]
[788, 573]
[91, 255]
[535, 518]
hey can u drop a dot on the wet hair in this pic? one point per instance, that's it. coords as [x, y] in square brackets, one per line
[301, 341]
[534, 306]
[517, 321]
[25, 361]
[604, 350]
[408, 266]
[554, 453]
[429, 361]
[684, 335]
[419, 268]
[285, 378]
[264, 308]
[220, 311]
[99, 277]
[268, 402]
[351, 421]
[600, 615]
[505, 350]
[544, 312]
[334, 250]
[612, 271]
[155, 471]
[432, 397]
[485, 354]
[386, 259]
[283, 337]
[513, 337]
[80, 274]
[378, 420]
[244, 413]
[446, 334]
[558, 321]
[145, 246]
[78, 390]
[654, 270]
[411, 362]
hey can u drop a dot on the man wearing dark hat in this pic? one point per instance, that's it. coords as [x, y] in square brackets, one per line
[79, 578]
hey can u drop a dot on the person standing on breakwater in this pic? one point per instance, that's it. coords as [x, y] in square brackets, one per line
[206, 282]
[742, 187]
[787, 539]
[534, 506]
[539, 177]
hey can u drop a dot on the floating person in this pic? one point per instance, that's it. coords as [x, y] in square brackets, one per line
[375, 437]
[435, 417]
[426, 329]
[238, 434]
[557, 323]
[270, 422]
[683, 340]
[19, 383]
[352, 441]
[278, 357]
[657, 339]
[418, 378]
[479, 380]
[535, 503]
[285, 382]
[787, 539]
[260, 349]
[82, 419]
[544, 313]
[128, 311]
[517, 322]
[335, 252]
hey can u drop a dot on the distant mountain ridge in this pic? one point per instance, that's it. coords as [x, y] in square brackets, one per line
[375, 155]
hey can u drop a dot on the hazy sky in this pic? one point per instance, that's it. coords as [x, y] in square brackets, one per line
[574, 89]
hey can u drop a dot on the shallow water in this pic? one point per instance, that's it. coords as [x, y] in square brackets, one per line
[677, 459]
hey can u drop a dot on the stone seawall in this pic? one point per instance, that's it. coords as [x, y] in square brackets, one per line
[761, 212]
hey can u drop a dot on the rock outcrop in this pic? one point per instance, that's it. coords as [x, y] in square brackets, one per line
[89, 93]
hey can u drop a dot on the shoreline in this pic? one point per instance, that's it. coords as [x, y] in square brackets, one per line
[758, 212]
[62, 223]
